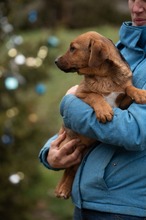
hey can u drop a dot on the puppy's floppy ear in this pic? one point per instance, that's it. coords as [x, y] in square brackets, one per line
[98, 52]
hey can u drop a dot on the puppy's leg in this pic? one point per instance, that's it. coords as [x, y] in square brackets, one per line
[102, 109]
[64, 187]
[125, 102]
[136, 94]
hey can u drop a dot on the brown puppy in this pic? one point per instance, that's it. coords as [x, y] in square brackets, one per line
[107, 83]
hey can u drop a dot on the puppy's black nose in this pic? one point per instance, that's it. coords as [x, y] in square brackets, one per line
[56, 60]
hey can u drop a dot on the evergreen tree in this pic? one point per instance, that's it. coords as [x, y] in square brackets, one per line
[23, 70]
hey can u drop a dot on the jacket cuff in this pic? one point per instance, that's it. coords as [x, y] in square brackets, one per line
[44, 153]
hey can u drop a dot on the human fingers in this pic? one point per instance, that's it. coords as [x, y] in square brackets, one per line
[68, 155]
[69, 146]
[58, 140]
[72, 153]
[57, 156]
[72, 159]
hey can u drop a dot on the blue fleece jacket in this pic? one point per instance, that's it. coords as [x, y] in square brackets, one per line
[112, 176]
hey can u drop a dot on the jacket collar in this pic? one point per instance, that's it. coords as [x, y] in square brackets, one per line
[133, 36]
[132, 45]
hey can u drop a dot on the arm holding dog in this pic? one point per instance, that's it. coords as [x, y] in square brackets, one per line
[91, 127]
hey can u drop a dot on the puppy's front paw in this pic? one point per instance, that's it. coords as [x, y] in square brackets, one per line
[139, 96]
[104, 114]
[136, 94]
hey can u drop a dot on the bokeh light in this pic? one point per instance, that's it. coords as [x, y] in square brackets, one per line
[12, 52]
[43, 51]
[16, 178]
[20, 59]
[11, 83]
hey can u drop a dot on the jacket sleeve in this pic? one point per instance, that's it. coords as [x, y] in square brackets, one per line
[44, 152]
[127, 128]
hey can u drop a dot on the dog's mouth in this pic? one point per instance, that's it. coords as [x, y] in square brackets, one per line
[70, 70]
[66, 69]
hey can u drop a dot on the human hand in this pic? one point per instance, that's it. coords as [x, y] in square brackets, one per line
[66, 156]
[72, 90]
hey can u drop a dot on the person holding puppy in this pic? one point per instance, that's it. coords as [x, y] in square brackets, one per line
[111, 180]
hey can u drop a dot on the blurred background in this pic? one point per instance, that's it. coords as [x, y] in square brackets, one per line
[32, 34]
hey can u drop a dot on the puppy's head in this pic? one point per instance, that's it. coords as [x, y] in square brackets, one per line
[89, 50]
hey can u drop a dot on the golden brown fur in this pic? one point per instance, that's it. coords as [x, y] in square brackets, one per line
[106, 75]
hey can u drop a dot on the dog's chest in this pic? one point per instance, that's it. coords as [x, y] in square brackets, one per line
[112, 98]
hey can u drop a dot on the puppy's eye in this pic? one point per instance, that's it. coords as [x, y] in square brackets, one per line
[72, 49]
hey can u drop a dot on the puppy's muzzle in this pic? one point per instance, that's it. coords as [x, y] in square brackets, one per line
[61, 64]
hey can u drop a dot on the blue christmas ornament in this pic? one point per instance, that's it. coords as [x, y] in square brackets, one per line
[53, 41]
[7, 139]
[33, 16]
[40, 88]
